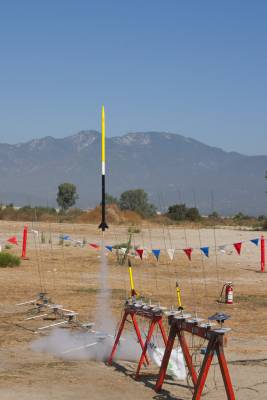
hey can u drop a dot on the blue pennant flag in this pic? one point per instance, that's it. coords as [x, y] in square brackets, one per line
[205, 251]
[156, 253]
[109, 248]
[66, 237]
[255, 241]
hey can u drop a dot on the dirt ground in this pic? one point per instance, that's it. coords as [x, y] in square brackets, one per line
[70, 275]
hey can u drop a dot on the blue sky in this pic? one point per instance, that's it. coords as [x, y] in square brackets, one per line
[198, 68]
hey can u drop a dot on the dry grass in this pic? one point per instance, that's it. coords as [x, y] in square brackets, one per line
[71, 277]
[252, 300]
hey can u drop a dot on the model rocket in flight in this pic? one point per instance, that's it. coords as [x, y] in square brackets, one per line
[103, 225]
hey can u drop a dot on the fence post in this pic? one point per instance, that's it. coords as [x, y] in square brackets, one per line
[24, 242]
[262, 253]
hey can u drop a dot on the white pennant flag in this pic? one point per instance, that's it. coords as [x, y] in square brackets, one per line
[35, 232]
[171, 253]
[123, 250]
[222, 248]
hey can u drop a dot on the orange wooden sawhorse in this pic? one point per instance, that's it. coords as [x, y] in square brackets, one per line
[155, 318]
[179, 325]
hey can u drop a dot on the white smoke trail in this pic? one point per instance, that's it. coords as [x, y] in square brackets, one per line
[81, 346]
[95, 345]
[104, 319]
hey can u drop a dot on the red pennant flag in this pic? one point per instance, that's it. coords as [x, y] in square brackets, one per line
[13, 240]
[140, 253]
[188, 252]
[94, 245]
[238, 247]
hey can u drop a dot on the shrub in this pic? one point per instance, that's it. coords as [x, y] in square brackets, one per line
[214, 215]
[134, 229]
[179, 212]
[240, 216]
[42, 238]
[8, 260]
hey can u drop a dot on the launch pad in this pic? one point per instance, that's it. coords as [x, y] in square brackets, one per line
[180, 324]
[137, 308]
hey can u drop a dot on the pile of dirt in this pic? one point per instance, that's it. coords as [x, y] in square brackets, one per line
[114, 216]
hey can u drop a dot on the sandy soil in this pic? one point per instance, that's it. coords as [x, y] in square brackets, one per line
[71, 276]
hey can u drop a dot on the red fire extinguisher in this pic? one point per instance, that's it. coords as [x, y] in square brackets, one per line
[229, 293]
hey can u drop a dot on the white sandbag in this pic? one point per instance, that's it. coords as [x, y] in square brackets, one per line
[176, 366]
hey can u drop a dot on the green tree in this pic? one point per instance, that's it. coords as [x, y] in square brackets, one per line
[137, 200]
[214, 215]
[66, 196]
[110, 199]
[240, 216]
[192, 214]
[177, 212]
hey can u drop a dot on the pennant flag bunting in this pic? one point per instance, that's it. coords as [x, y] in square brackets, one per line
[140, 253]
[188, 252]
[156, 253]
[237, 246]
[13, 240]
[171, 253]
[255, 241]
[205, 251]
[222, 248]
[94, 245]
[65, 237]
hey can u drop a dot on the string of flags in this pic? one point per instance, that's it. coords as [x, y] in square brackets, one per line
[205, 250]
[171, 251]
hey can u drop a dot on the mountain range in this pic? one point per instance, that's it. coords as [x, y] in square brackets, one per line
[171, 168]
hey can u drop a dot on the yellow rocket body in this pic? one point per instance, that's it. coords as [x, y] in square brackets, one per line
[131, 278]
[178, 292]
[103, 225]
[133, 291]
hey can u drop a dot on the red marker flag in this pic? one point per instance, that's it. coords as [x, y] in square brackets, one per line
[237, 246]
[94, 245]
[13, 240]
[188, 252]
[140, 253]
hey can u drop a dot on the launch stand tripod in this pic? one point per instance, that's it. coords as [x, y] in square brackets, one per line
[178, 326]
[154, 314]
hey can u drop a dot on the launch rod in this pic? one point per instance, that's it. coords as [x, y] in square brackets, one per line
[103, 225]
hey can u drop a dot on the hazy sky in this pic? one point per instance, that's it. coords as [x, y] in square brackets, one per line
[198, 68]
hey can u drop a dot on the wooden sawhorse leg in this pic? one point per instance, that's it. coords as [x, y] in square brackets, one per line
[154, 321]
[167, 354]
[215, 345]
[138, 334]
